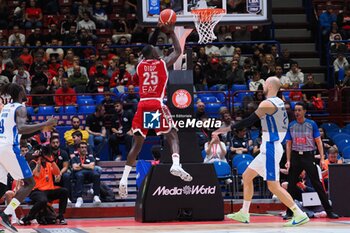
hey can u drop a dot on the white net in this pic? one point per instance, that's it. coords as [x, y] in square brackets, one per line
[205, 21]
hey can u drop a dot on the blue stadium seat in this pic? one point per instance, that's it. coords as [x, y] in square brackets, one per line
[237, 87]
[346, 152]
[214, 88]
[242, 166]
[46, 110]
[286, 95]
[221, 96]
[292, 104]
[212, 109]
[69, 110]
[254, 133]
[203, 95]
[204, 154]
[142, 169]
[343, 143]
[240, 96]
[99, 98]
[347, 127]
[222, 169]
[329, 126]
[80, 97]
[339, 136]
[86, 101]
[87, 109]
[209, 99]
[30, 111]
[240, 158]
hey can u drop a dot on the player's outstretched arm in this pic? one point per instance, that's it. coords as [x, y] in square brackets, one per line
[24, 128]
[177, 48]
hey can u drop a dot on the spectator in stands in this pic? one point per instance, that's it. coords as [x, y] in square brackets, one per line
[200, 111]
[256, 82]
[256, 145]
[215, 150]
[77, 139]
[68, 25]
[71, 37]
[8, 71]
[65, 95]
[295, 95]
[3, 80]
[6, 56]
[241, 60]
[22, 78]
[343, 22]
[212, 50]
[76, 62]
[235, 75]
[242, 34]
[198, 77]
[50, 7]
[100, 16]
[338, 47]
[16, 35]
[78, 81]
[326, 141]
[295, 75]
[334, 32]
[87, 24]
[33, 15]
[61, 158]
[54, 33]
[4, 14]
[83, 8]
[75, 127]
[97, 131]
[34, 37]
[227, 50]
[285, 82]
[112, 67]
[131, 63]
[261, 33]
[99, 82]
[216, 76]
[26, 57]
[340, 62]
[285, 61]
[57, 80]
[56, 52]
[268, 66]
[84, 170]
[226, 121]
[309, 85]
[120, 78]
[240, 144]
[130, 100]
[120, 132]
[327, 18]
[332, 159]
[44, 169]
[94, 64]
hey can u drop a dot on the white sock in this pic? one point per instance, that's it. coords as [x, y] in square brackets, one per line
[296, 210]
[126, 173]
[176, 159]
[245, 207]
[12, 206]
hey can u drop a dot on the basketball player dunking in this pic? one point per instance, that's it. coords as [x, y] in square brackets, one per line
[153, 77]
[274, 122]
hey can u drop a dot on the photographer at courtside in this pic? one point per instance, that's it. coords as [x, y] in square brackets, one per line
[44, 169]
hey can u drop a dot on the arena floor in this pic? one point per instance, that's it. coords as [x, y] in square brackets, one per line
[261, 224]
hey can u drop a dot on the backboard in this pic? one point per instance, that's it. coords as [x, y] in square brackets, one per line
[238, 12]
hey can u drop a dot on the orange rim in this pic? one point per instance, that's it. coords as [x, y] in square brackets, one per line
[205, 15]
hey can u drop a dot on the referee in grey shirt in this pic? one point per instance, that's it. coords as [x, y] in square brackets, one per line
[301, 137]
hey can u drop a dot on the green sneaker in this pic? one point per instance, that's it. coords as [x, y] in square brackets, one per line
[240, 217]
[297, 220]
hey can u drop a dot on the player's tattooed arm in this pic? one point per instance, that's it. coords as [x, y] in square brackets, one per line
[24, 128]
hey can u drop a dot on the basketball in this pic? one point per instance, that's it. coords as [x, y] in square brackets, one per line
[167, 17]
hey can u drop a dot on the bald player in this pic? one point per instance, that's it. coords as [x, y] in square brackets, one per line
[274, 122]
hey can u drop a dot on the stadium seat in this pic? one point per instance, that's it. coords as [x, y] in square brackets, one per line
[69, 110]
[79, 97]
[86, 101]
[240, 158]
[203, 95]
[347, 127]
[286, 95]
[142, 169]
[46, 110]
[240, 96]
[99, 98]
[343, 143]
[222, 96]
[87, 109]
[346, 152]
[292, 104]
[204, 154]
[212, 109]
[222, 169]
[30, 111]
[242, 166]
[209, 99]
[254, 133]
[328, 126]
[338, 137]
[236, 87]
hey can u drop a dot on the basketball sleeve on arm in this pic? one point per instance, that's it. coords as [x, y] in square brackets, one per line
[247, 122]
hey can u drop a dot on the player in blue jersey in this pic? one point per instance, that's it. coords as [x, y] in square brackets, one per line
[13, 124]
[274, 123]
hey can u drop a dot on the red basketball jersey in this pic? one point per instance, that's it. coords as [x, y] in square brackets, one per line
[153, 77]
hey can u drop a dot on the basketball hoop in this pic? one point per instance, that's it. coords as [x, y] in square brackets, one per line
[205, 20]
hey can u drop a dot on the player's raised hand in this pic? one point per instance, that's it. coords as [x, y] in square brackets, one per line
[166, 28]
